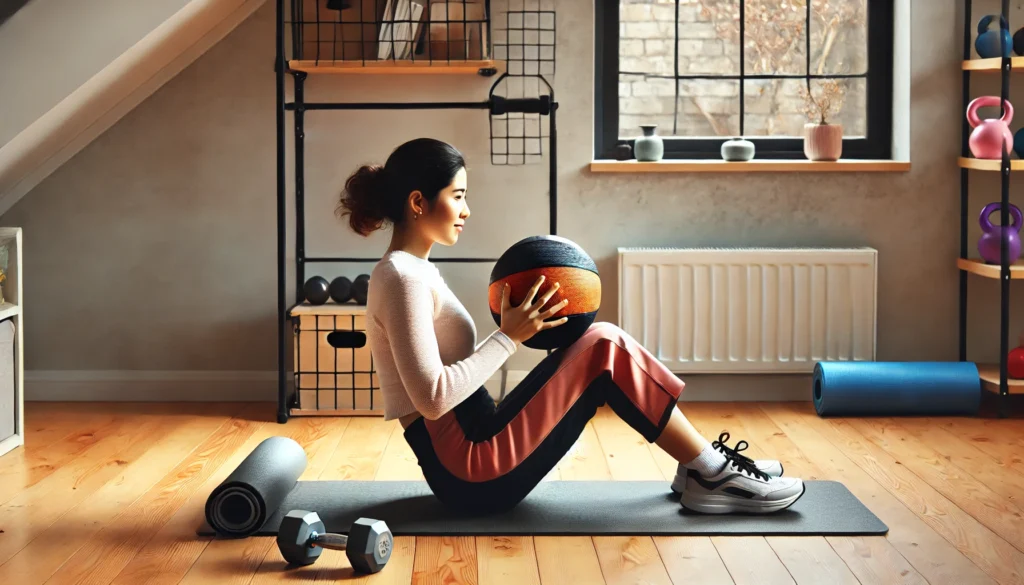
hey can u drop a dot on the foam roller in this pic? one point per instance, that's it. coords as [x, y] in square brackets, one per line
[896, 388]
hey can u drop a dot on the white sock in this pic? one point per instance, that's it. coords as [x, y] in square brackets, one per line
[708, 463]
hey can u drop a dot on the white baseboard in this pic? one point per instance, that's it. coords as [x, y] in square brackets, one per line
[256, 386]
[151, 386]
[166, 385]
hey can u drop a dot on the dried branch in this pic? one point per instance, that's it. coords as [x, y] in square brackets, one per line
[828, 102]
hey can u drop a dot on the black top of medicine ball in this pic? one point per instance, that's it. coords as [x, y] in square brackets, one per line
[538, 252]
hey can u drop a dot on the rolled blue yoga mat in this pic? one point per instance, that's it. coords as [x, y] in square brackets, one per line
[896, 388]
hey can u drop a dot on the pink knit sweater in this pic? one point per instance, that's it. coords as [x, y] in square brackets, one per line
[423, 340]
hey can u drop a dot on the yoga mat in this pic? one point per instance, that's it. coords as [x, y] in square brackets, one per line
[896, 388]
[255, 489]
[552, 508]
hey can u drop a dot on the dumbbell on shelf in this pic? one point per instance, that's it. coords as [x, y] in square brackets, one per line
[360, 287]
[315, 289]
[303, 536]
[318, 291]
[341, 289]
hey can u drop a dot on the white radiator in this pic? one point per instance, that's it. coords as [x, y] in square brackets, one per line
[749, 310]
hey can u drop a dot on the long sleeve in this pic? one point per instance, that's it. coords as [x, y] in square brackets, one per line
[408, 322]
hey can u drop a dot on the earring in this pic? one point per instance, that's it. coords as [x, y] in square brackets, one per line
[416, 216]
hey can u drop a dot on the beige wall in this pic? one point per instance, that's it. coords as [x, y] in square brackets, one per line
[154, 248]
[51, 47]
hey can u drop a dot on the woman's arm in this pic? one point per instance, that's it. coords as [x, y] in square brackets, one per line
[408, 321]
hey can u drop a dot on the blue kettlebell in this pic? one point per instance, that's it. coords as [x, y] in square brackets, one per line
[1018, 142]
[987, 43]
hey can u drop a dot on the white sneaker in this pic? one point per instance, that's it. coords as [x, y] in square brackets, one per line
[739, 487]
[771, 467]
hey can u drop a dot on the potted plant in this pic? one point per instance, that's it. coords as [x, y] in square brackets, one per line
[823, 140]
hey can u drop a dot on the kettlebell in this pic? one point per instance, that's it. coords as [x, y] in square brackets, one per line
[1015, 360]
[987, 43]
[989, 133]
[990, 241]
[1018, 42]
[1018, 142]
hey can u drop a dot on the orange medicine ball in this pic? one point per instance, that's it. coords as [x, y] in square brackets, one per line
[559, 260]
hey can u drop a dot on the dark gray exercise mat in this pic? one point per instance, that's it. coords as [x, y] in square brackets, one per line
[569, 508]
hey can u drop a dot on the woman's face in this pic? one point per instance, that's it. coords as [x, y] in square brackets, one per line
[443, 223]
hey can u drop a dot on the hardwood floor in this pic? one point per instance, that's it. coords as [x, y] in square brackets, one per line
[112, 493]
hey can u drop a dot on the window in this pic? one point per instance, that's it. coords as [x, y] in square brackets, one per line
[680, 65]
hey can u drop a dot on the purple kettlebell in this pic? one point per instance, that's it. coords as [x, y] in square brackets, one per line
[989, 243]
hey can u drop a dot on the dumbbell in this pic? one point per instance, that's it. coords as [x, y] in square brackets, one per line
[341, 289]
[316, 290]
[302, 537]
[360, 287]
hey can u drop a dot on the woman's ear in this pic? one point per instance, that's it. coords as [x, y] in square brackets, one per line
[417, 203]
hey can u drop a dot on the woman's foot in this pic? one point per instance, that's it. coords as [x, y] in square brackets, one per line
[739, 487]
[770, 467]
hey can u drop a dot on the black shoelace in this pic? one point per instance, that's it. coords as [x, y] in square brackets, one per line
[742, 462]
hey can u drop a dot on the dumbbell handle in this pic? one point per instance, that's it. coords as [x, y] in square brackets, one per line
[329, 540]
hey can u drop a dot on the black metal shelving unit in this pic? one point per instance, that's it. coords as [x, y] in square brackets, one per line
[516, 129]
[1005, 69]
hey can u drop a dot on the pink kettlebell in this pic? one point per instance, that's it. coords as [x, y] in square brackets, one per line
[987, 134]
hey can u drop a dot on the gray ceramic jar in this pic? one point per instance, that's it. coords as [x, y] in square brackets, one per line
[737, 149]
[650, 146]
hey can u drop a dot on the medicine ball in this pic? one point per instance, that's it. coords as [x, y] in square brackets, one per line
[559, 260]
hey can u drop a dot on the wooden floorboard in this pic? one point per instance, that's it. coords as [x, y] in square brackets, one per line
[112, 493]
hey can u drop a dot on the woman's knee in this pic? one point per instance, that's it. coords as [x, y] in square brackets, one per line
[603, 331]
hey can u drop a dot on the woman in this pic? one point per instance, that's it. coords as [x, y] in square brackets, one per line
[482, 458]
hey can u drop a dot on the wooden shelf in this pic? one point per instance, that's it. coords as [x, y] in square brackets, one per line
[979, 267]
[392, 67]
[982, 164]
[13, 437]
[8, 310]
[328, 308]
[990, 380]
[753, 166]
[994, 64]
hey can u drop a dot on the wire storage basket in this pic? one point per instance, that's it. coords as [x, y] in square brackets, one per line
[361, 33]
[334, 371]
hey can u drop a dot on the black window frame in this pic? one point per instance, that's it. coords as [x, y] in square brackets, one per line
[876, 145]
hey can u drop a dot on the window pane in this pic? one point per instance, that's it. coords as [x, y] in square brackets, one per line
[709, 37]
[853, 114]
[773, 107]
[778, 107]
[644, 100]
[646, 33]
[708, 107]
[839, 37]
[775, 36]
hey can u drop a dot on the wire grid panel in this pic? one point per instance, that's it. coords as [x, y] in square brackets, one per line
[524, 38]
[334, 367]
[426, 31]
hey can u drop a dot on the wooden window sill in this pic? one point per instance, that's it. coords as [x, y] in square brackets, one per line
[754, 166]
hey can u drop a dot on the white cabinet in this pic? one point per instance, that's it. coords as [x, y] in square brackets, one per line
[12, 369]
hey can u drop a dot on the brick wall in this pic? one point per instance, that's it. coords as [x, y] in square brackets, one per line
[711, 107]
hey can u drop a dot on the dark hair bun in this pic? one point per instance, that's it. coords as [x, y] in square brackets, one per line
[375, 193]
[362, 199]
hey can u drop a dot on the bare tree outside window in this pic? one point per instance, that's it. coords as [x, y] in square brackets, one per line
[680, 66]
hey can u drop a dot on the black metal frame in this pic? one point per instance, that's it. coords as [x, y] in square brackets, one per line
[495, 105]
[1004, 172]
[876, 145]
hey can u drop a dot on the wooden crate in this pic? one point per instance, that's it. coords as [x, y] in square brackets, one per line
[334, 372]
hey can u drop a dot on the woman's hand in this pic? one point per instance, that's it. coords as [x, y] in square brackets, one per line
[523, 322]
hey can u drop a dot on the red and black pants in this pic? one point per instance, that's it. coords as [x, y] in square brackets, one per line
[485, 458]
